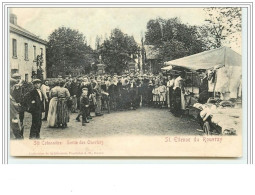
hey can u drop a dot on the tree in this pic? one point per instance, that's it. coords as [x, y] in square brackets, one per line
[67, 50]
[153, 35]
[174, 38]
[173, 49]
[117, 51]
[223, 26]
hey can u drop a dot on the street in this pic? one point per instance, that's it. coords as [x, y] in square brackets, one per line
[143, 121]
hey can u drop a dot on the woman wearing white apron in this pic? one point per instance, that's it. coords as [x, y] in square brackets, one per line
[52, 114]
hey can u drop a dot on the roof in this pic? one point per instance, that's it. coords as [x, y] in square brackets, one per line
[222, 56]
[152, 52]
[23, 32]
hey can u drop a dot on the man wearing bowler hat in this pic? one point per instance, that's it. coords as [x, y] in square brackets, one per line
[84, 109]
[36, 108]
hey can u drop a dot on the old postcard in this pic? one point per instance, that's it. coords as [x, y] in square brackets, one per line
[125, 82]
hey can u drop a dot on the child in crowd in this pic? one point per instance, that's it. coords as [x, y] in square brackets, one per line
[84, 106]
[155, 93]
[162, 94]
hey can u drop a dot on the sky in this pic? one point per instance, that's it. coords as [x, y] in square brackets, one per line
[100, 21]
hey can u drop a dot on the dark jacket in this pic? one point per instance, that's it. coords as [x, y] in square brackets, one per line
[35, 105]
[119, 88]
[18, 94]
[134, 89]
[103, 87]
[84, 101]
[74, 89]
[112, 90]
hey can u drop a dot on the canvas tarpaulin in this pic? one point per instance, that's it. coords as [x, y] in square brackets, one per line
[167, 68]
[209, 59]
[224, 61]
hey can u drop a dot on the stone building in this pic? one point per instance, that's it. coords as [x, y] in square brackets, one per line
[26, 52]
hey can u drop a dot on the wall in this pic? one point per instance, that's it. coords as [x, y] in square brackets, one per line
[26, 66]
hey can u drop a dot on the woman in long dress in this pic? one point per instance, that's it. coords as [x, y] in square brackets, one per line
[62, 108]
[52, 114]
[170, 85]
[179, 98]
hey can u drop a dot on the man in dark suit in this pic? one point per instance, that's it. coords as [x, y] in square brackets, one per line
[133, 93]
[119, 94]
[35, 98]
[74, 92]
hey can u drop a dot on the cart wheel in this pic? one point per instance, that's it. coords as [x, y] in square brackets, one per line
[206, 128]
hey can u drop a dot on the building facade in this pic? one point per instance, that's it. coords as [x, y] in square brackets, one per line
[27, 52]
[153, 61]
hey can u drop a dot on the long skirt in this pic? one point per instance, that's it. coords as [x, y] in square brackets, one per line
[52, 114]
[162, 97]
[171, 97]
[168, 97]
[177, 102]
[113, 100]
[154, 98]
[98, 105]
[74, 104]
[62, 112]
[183, 101]
[126, 99]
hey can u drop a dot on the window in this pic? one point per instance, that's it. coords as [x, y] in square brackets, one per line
[26, 51]
[14, 71]
[14, 47]
[41, 51]
[26, 77]
[34, 52]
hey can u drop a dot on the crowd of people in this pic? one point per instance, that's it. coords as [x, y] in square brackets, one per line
[59, 97]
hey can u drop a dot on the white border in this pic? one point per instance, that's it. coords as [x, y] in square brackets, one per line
[244, 159]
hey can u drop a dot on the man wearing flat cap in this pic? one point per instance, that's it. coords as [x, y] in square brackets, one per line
[35, 98]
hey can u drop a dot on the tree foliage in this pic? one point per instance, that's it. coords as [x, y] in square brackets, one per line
[67, 50]
[223, 26]
[174, 38]
[117, 51]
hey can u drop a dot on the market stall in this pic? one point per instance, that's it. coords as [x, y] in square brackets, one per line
[222, 71]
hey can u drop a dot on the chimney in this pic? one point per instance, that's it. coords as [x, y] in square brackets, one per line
[13, 19]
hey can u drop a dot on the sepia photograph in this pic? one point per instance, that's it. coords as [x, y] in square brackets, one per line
[125, 81]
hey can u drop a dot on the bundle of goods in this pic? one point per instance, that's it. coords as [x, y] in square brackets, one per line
[222, 114]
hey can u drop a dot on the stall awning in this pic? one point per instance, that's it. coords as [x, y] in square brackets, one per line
[167, 68]
[209, 59]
